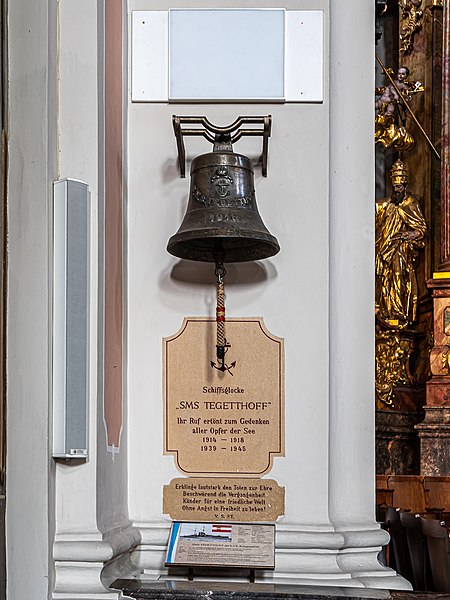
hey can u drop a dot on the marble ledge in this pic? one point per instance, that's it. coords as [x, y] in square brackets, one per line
[186, 590]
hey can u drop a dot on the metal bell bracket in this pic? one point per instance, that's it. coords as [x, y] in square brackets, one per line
[214, 134]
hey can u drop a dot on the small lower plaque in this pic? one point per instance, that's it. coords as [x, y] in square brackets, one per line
[240, 545]
[233, 499]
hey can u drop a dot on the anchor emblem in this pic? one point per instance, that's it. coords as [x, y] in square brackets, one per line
[222, 366]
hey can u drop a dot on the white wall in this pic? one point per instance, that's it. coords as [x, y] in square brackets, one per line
[317, 200]
[31, 168]
[162, 290]
[317, 294]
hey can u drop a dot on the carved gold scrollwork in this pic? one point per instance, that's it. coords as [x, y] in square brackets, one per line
[445, 360]
[411, 16]
[392, 368]
[402, 358]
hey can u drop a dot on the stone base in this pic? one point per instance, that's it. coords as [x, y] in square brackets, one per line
[80, 559]
[438, 391]
[397, 442]
[434, 434]
[311, 556]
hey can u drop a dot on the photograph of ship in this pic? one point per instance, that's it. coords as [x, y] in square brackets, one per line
[206, 532]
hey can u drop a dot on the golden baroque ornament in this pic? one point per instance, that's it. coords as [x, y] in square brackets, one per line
[446, 360]
[388, 133]
[392, 353]
[411, 17]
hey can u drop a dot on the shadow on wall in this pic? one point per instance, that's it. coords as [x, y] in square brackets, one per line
[201, 273]
[192, 284]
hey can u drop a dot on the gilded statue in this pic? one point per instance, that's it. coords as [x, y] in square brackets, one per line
[390, 121]
[400, 230]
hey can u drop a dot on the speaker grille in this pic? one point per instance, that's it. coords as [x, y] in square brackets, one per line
[76, 317]
[70, 318]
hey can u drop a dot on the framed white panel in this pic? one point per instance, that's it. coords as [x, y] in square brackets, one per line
[149, 56]
[304, 56]
[226, 54]
[260, 55]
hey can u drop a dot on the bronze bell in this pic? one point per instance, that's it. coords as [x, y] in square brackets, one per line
[222, 219]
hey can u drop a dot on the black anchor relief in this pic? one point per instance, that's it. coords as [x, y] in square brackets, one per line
[222, 366]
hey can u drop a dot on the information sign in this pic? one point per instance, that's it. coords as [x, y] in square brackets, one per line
[241, 545]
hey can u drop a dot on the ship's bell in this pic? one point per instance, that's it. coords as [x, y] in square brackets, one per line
[222, 219]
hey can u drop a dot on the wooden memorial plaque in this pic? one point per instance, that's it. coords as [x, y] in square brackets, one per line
[233, 499]
[241, 545]
[223, 422]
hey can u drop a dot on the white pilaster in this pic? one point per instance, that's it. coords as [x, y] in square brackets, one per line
[31, 131]
[92, 528]
[352, 404]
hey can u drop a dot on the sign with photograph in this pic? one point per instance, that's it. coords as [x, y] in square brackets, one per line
[241, 545]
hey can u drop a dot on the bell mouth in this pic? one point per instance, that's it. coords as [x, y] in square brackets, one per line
[231, 248]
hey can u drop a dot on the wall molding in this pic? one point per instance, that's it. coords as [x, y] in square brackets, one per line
[347, 558]
[80, 560]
